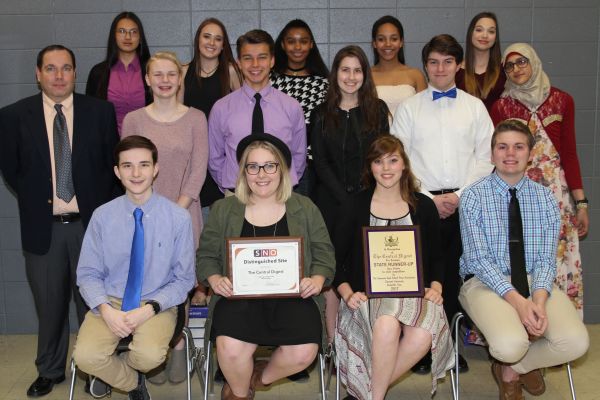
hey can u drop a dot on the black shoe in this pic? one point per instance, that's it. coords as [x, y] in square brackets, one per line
[98, 388]
[42, 386]
[301, 376]
[219, 377]
[349, 397]
[140, 392]
[423, 366]
[462, 364]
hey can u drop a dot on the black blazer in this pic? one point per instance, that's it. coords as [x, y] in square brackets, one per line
[97, 82]
[347, 239]
[25, 162]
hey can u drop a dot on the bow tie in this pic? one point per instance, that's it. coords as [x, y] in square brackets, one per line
[450, 93]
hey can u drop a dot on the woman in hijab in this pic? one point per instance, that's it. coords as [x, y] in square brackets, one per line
[550, 114]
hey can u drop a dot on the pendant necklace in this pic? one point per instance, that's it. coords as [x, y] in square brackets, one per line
[274, 230]
[209, 73]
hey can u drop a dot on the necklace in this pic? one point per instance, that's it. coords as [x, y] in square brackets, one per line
[209, 73]
[295, 71]
[254, 229]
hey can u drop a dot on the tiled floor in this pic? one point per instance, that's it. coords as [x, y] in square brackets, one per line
[17, 371]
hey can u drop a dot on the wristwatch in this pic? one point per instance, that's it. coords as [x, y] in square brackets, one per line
[582, 204]
[155, 306]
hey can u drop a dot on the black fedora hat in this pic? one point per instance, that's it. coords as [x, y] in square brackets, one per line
[264, 137]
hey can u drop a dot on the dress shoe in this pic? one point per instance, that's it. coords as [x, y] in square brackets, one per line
[423, 366]
[508, 390]
[227, 394]
[140, 392]
[301, 376]
[219, 377]
[462, 364]
[533, 382]
[42, 386]
[256, 379]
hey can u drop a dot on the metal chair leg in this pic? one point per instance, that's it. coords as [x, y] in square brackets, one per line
[187, 334]
[207, 371]
[571, 384]
[454, 373]
[73, 377]
[337, 379]
[321, 376]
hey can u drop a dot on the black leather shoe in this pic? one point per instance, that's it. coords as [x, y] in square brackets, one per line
[219, 377]
[301, 376]
[462, 364]
[423, 367]
[42, 386]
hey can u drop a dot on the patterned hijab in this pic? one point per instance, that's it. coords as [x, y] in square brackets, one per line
[536, 90]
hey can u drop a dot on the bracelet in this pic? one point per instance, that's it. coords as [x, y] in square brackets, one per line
[155, 306]
[582, 204]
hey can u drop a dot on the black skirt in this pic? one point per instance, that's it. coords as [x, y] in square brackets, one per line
[272, 322]
[269, 322]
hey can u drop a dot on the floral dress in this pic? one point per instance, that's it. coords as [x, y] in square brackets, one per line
[546, 168]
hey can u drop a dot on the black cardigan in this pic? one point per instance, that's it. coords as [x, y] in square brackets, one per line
[329, 156]
[347, 239]
[97, 82]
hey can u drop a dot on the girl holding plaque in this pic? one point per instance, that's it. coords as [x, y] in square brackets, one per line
[379, 339]
[264, 206]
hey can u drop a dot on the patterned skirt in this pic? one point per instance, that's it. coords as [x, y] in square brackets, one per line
[353, 338]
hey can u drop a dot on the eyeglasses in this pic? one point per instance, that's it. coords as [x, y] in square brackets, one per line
[132, 32]
[520, 62]
[254, 169]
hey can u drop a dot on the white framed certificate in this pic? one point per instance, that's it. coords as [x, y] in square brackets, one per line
[265, 266]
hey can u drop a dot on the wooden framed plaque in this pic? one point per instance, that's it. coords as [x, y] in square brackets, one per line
[265, 266]
[392, 261]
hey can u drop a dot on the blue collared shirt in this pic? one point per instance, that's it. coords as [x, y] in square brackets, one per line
[169, 268]
[484, 231]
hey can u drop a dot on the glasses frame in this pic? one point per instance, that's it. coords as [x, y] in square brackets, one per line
[135, 32]
[521, 62]
[263, 167]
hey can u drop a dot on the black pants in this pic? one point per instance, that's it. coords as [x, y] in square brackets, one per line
[452, 250]
[52, 279]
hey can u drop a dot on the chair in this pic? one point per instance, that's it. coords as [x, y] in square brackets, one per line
[180, 329]
[454, 375]
[205, 366]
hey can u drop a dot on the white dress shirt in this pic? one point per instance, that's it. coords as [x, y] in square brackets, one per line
[447, 140]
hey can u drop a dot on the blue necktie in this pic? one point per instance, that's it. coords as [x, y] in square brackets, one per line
[450, 93]
[133, 289]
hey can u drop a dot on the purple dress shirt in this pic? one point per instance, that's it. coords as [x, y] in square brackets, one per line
[126, 89]
[231, 120]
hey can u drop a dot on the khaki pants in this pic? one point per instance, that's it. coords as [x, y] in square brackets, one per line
[565, 339]
[94, 351]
